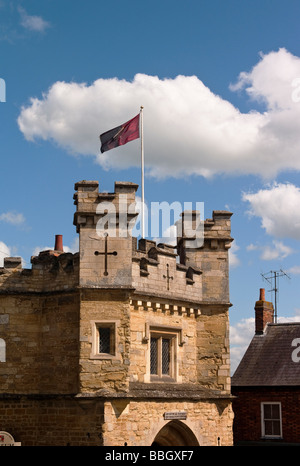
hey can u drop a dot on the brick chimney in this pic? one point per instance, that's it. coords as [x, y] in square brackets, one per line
[264, 313]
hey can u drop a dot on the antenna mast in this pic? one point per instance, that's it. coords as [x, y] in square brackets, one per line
[271, 277]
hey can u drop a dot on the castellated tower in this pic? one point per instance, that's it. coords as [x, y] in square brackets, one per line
[125, 342]
[209, 252]
[103, 221]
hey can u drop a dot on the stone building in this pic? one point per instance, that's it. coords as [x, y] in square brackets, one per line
[121, 343]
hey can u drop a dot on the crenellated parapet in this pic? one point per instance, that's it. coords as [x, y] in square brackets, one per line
[157, 271]
[195, 268]
[51, 271]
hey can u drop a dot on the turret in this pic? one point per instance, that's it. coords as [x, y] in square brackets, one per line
[104, 222]
[205, 244]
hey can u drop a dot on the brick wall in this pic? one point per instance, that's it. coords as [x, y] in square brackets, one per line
[247, 412]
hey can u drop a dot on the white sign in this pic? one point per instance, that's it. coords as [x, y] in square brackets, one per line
[175, 415]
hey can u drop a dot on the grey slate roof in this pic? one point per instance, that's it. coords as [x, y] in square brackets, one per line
[268, 359]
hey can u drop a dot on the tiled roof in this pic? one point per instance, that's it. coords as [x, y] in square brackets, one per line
[268, 360]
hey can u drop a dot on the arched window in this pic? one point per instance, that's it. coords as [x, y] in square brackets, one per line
[2, 350]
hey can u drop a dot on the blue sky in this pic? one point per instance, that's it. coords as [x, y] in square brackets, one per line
[220, 83]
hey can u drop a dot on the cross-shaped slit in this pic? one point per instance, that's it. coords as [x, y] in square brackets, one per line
[106, 254]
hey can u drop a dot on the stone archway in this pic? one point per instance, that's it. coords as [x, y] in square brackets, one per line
[175, 434]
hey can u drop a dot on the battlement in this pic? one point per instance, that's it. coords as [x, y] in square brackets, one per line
[51, 270]
[195, 270]
[157, 271]
[110, 257]
[90, 202]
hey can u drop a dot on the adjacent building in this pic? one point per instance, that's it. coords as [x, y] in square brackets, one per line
[266, 384]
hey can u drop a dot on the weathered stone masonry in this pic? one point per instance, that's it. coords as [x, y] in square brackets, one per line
[162, 313]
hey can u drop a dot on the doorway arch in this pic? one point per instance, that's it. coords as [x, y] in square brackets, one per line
[175, 434]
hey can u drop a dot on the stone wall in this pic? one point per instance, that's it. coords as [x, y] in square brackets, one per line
[52, 421]
[202, 348]
[104, 372]
[41, 342]
[139, 422]
[213, 367]
[145, 316]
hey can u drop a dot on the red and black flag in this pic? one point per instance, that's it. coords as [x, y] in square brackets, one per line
[121, 134]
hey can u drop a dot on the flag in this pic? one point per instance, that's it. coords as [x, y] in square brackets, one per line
[121, 134]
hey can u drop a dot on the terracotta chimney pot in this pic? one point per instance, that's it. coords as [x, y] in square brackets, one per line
[58, 243]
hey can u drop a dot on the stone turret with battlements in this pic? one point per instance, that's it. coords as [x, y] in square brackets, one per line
[103, 221]
[110, 257]
[126, 339]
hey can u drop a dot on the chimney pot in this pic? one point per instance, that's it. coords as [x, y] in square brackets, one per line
[58, 243]
[262, 295]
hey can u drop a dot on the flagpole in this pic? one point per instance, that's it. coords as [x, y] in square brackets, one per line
[142, 165]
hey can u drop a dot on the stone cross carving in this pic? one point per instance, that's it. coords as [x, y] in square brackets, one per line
[168, 277]
[105, 253]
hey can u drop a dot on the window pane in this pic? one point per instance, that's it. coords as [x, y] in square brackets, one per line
[276, 427]
[165, 357]
[104, 340]
[268, 428]
[267, 411]
[275, 411]
[153, 355]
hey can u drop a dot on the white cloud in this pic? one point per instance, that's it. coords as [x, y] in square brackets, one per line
[277, 251]
[33, 23]
[295, 270]
[272, 80]
[240, 336]
[278, 208]
[188, 129]
[12, 217]
[234, 261]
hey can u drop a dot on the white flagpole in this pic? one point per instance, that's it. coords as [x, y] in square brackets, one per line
[142, 164]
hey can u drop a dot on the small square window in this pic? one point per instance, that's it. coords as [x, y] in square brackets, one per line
[103, 340]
